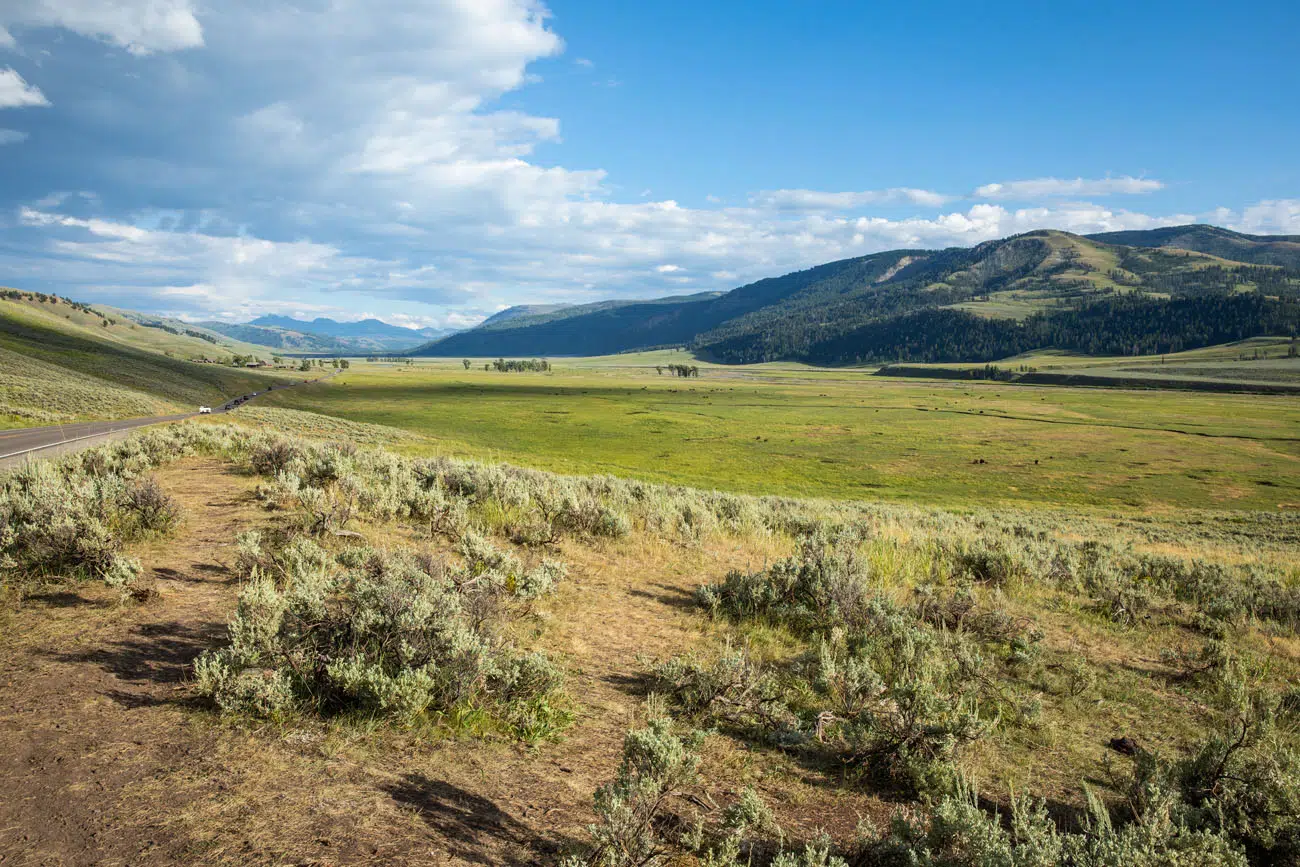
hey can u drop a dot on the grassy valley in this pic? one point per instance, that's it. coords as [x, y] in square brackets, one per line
[792, 430]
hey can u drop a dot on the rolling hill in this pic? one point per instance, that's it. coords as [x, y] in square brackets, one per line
[325, 336]
[1115, 294]
[64, 361]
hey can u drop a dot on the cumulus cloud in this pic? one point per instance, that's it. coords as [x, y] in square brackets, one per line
[814, 200]
[139, 26]
[15, 92]
[1272, 216]
[1047, 188]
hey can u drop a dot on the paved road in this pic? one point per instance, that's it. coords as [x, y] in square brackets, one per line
[17, 443]
[35, 442]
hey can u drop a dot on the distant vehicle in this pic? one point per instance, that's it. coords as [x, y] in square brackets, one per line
[205, 410]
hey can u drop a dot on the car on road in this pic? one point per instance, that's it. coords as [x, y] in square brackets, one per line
[205, 410]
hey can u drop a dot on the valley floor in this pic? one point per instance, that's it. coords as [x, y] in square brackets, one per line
[836, 433]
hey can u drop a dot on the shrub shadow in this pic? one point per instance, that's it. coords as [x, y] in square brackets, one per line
[153, 655]
[475, 828]
[673, 597]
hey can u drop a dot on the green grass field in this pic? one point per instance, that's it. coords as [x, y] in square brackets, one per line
[783, 429]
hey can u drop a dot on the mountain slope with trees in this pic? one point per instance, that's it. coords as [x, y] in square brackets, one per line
[1120, 293]
[325, 336]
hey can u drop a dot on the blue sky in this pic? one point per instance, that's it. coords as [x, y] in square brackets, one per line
[432, 161]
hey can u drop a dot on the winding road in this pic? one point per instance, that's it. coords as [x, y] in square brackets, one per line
[22, 444]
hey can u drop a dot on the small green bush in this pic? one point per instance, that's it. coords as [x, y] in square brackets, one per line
[826, 584]
[384, 634]
[733, 691]
[903, 701]
[659, 764]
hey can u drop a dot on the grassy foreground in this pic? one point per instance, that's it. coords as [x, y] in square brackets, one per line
[398, 628]
[793, 430]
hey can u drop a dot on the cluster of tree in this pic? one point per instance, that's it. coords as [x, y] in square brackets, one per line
[501, 365]
[683, 370]
[395, 359]
[336, 363]
[43, 298]
[186, 332]
[1121, 325]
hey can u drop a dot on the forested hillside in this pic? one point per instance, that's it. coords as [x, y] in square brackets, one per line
[324, 336]
[1121, 293]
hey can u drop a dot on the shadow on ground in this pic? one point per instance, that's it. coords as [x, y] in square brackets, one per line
[153, 655]
[474, 827]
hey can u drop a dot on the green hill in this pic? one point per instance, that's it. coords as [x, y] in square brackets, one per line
[64, 361]
[1280, 250]
[1162, 291]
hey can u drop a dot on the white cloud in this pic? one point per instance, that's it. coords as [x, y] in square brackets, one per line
[12, 136]
[1045, 188]
[668, 269]
[1272, 216]
[15, 92]
[7, 39]
[814, 200]
[139, 26]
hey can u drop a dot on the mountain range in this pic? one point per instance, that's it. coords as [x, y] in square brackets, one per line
[326, 336]
[1113, 293]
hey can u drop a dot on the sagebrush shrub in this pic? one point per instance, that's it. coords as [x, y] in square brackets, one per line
[381, 633]
[733, 690]
[149, 507]
[903, 700]
[957, 833]
[827, 583]
[659, 764]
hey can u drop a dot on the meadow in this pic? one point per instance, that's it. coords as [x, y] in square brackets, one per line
[839, 433]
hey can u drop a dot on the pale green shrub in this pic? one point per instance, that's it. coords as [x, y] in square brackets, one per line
[732, 690]
[659, 764]
[385, 634]
[903, 700]
[957, 833]
[827, 583]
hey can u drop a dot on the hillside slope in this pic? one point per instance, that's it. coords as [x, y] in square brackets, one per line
[1281, 250]
[56, 366]
[324, 336]
[1161, 291]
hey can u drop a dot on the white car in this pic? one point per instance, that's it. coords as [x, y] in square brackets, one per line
[205, 410]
